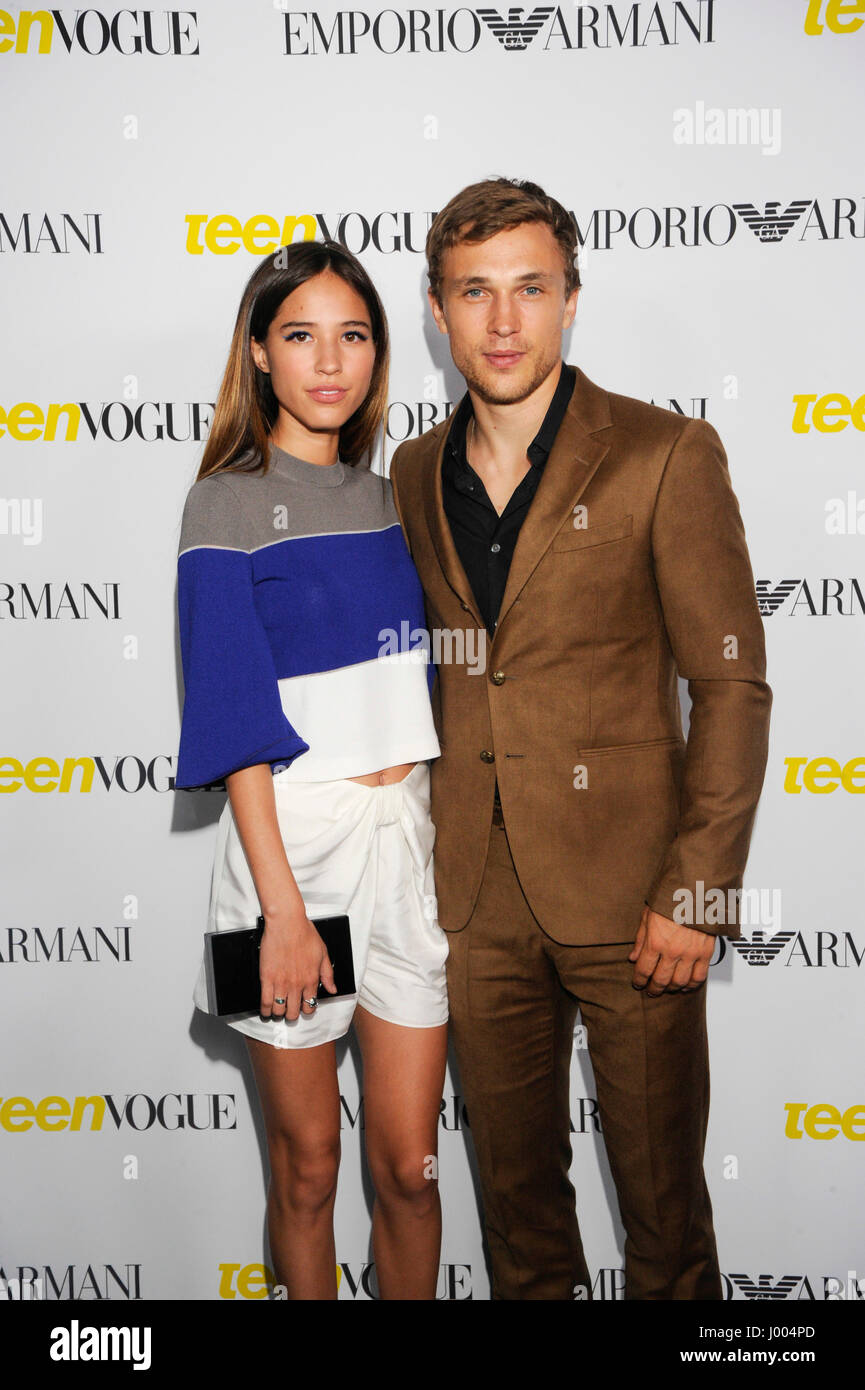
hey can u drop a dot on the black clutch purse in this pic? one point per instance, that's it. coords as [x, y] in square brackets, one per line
[231, 965]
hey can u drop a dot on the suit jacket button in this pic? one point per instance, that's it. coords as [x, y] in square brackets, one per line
[498, 677]
[464, 606]
[487, 756]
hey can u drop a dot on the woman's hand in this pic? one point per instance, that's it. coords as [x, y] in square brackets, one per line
[293, 957]
[292, 961]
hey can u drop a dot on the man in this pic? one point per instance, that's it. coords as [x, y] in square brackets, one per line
[596, 542]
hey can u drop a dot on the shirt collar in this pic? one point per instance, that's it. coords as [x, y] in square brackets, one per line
[539, 450]
[302, 471]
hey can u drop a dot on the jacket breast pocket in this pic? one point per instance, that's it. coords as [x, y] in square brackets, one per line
[580, 538]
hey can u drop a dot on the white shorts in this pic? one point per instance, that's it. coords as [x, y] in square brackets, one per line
[364, 851]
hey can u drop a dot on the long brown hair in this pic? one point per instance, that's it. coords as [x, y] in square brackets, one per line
[246, 407]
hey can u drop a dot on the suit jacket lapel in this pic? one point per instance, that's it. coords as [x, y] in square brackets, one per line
[574, 459]
[440, 531]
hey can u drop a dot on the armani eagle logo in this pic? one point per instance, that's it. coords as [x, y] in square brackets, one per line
[759, 951]
[771, 224]
[765, 1285]
[770, 600]
[516, 33]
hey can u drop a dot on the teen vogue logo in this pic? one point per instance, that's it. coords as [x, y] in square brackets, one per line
[151, 422]
[125, 773]
[353, 1280]
[261, 234]
[159, 33]
[57, 1114]
[514, 28]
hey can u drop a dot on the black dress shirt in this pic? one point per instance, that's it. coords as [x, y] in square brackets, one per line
[484, 540]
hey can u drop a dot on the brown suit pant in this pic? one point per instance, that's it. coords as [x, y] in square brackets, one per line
[514, 994]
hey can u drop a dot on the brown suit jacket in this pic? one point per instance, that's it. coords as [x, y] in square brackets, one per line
[577, 713]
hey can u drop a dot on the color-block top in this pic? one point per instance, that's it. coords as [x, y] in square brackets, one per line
[302, 627]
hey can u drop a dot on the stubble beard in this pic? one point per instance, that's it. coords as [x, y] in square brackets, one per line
[493, 389]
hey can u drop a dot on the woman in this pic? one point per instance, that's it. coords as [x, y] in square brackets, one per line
[293, 580]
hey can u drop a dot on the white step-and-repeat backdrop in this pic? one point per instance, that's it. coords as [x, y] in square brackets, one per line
[709, 152]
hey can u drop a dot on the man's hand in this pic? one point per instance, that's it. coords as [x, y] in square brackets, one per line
[669, 956]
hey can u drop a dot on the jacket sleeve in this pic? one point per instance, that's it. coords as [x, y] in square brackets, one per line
[232, 712]
[715, 631]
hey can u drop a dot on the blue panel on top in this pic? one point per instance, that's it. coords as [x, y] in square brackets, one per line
[324, 601]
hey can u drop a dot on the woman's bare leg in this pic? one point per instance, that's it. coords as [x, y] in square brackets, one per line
[299, 1095]
[403, 1077]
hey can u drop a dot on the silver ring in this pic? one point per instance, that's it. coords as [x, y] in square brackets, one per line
[278, 1001]
[311, 1003]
